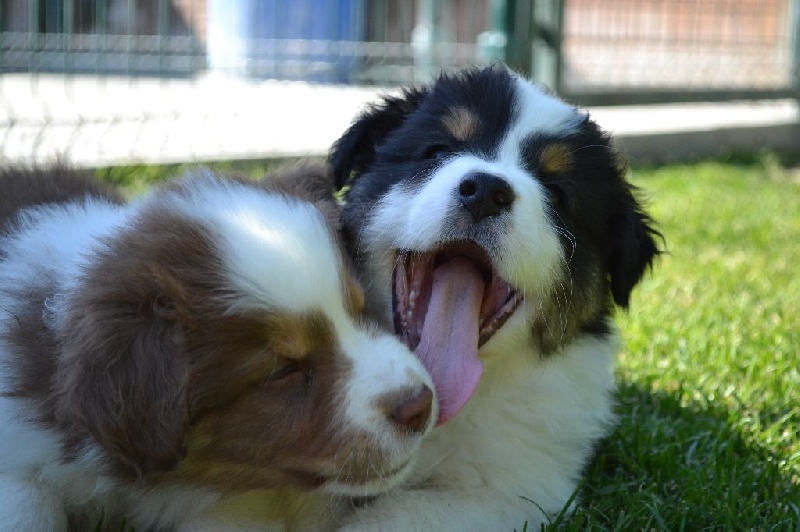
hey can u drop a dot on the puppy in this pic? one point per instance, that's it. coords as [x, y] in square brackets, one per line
[494, 230]
[201, 341]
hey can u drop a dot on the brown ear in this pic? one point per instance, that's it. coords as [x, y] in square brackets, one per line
[122, 375]
[311, 181]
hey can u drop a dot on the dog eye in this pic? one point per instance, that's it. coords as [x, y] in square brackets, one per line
[436, 151]
[555, 195]
[292, 370]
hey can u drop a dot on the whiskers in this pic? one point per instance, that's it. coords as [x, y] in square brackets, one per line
[363, 468]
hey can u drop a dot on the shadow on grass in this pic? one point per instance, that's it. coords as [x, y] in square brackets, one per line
[673, 466]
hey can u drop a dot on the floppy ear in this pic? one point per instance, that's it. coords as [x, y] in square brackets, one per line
[310, 181]
[122, 376]
[634, 249]
[355, 150]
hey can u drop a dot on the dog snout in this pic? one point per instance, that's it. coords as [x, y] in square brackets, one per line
[411, 410]
[485, 195]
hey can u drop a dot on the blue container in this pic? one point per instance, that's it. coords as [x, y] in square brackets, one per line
[311, 40]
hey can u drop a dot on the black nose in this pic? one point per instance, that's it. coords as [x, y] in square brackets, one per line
[485, 195]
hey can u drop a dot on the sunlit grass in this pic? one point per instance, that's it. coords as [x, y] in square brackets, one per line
[136, 179]
[709, 435]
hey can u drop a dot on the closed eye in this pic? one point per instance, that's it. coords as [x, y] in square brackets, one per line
[436, 151]
[293, 369]
[555, 194]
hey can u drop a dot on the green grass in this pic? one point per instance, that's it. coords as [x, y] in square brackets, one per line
[709, 399]
[136, 179]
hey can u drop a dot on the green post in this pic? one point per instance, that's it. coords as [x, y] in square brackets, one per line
[424, 39]
[519, 24]
[548, 25]
[69, 34]
[33, 35]
[163, 28]
[493, 42]
[795, 33]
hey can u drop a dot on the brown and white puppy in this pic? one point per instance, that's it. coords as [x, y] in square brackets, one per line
[201, 341]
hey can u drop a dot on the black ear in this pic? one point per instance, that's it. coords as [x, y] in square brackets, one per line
[634, 249]
[121, 380]
[355, 149]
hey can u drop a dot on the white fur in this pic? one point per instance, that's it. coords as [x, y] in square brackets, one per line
[265, 237]
[37, 489]
[268, 237]
[382, 365]
[514, 454]
[517, 446]
[262, 237]
[536, 112]
[417, 218]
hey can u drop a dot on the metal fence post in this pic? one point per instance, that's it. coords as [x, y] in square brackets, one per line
[69, 33]
[424, 39]
[492, 43]
[795, 34]
[547, 32]
[519, 31]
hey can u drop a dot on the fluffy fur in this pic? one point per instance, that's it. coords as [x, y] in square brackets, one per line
[483, 183]
[202, 341]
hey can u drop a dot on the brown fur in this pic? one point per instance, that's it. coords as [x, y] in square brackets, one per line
[556, 159]
[122, 374]
[156, 291]
[462, 123]
[312, 182]
[153, 367]
[31, 187]
[34, 353]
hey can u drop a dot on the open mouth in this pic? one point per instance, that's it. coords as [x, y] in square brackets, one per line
[447, 304]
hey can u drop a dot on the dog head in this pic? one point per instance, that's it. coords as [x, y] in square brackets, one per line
[218, 338]
[482, 207]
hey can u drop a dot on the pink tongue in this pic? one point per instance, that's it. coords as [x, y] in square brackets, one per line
[448, 346]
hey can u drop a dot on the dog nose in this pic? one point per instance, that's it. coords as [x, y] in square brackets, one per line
[413, 411]
[485, 195]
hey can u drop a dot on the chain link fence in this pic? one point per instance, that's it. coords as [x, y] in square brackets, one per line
[680, 49]
[110, 81]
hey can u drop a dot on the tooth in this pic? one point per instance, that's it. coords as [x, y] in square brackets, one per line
[412, 296]
[409, 315]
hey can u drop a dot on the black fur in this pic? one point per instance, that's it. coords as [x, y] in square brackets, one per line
[603, 225]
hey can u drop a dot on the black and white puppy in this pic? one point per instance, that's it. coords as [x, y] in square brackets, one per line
[160, 356]
[493, 228]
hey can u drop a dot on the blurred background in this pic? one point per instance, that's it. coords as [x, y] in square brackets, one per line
[124, 81]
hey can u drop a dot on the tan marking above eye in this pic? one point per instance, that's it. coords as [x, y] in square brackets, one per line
[299, 336]
[556, 159]
[461, 123]
[289, 337]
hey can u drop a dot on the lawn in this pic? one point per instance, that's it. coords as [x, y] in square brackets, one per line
[709, 399]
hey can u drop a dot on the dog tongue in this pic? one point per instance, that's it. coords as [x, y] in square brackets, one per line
[448, 345]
